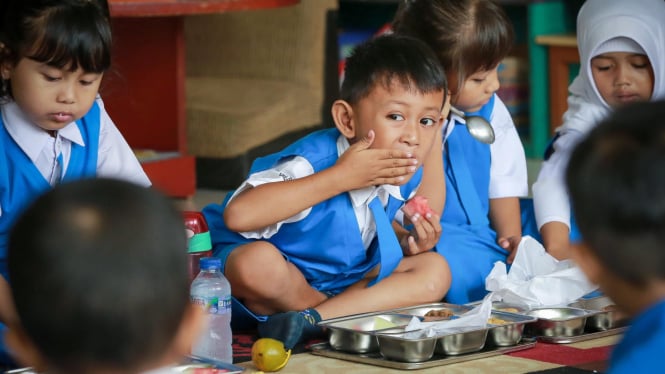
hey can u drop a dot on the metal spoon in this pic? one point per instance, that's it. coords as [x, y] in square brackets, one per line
[478, 127]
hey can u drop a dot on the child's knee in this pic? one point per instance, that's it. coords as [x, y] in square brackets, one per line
[246, 265]
[437, 275]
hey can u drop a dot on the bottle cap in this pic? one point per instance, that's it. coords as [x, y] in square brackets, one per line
[209, 263]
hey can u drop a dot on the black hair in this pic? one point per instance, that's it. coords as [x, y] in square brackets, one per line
[616, 180]
[468, 36]
[387, 58]
[60, 33]
[98, 272]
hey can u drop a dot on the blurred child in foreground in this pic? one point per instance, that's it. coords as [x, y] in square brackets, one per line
[301, 239]
[616, 180]
[100, 281]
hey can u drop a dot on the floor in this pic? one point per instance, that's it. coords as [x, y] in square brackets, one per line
[204, 197]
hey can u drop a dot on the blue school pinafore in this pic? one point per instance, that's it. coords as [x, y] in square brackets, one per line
[468, 242]
[21, 182]
[641, 348]
[326, 246]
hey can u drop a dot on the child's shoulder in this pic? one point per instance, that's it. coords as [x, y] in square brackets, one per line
[318, 147]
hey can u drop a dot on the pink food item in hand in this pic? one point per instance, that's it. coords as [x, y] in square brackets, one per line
[417, 204]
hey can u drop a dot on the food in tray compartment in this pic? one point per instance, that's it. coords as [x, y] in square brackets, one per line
[439, 313]
[382, 323]
[497, 321]
[609, 308]
[508, 309]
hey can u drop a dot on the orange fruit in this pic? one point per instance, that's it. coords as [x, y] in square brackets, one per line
[269, 354]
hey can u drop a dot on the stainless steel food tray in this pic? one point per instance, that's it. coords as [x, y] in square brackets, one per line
[324, 349]
[583, 337]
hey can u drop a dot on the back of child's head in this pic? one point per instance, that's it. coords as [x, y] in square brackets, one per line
[388, 59]
[605, 26]
[66, 34]
[616, 180]
[99, 275]
[468, 36]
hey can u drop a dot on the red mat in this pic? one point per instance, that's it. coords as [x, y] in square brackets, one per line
[564, 355]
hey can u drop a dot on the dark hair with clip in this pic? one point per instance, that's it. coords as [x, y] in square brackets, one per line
[67, 34]
[616, 180]
[389, 58]
[467, 35]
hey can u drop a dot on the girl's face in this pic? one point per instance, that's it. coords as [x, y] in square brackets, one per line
[477, 90]
[622, 77]
[51, 97]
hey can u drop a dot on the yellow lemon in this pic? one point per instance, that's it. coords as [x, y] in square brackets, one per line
[269, 354]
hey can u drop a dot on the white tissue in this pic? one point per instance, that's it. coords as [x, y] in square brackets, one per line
[537, 279]
[471, 320]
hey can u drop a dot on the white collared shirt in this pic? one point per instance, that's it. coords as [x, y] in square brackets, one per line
[115, 158]
[299, 167]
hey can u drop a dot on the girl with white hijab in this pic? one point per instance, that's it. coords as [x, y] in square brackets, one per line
[622, 59]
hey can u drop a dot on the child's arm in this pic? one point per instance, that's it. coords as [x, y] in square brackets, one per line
[358, 167]
[506, 221]
[556, 239]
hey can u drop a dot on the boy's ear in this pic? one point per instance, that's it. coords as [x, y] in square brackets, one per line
[588, 261]
[191, 326]
[342, 113]
[23, 350]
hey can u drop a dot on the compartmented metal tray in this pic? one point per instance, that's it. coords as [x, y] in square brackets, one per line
[356, 333]
[383, 332]
[608, 317]
[583, 337]
[324, 349]
[593, 320]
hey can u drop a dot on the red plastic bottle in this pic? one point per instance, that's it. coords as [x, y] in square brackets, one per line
[199, 244]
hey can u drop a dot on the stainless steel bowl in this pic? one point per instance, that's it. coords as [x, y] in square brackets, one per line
[461, 343]
[608, 317]
[355, 334]
[398, 347]
[564, 321]
[509, 333]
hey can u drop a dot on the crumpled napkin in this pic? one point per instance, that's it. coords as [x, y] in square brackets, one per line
[471, 320]
[537, 279]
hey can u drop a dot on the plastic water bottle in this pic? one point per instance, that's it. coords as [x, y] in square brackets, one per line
[211, 290]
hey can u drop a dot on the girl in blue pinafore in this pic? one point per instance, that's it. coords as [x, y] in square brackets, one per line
[481, 219]
[53, 125]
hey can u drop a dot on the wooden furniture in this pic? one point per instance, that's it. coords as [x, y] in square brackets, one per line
[145, 91]
[562, 53]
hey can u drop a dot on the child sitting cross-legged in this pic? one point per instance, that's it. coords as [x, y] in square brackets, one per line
[616, 181]
[100, 281]
[308, 237]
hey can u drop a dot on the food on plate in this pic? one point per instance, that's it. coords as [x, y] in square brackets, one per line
[417, 204]
[438, 315]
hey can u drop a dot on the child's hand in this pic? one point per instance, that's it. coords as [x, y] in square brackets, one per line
[509, 244]
[361, 166]
[423, 236]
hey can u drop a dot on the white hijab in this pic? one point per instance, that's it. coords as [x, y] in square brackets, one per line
[598, 21]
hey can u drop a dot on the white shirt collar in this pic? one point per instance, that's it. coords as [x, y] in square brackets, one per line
[364, 195]
[31, 138]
